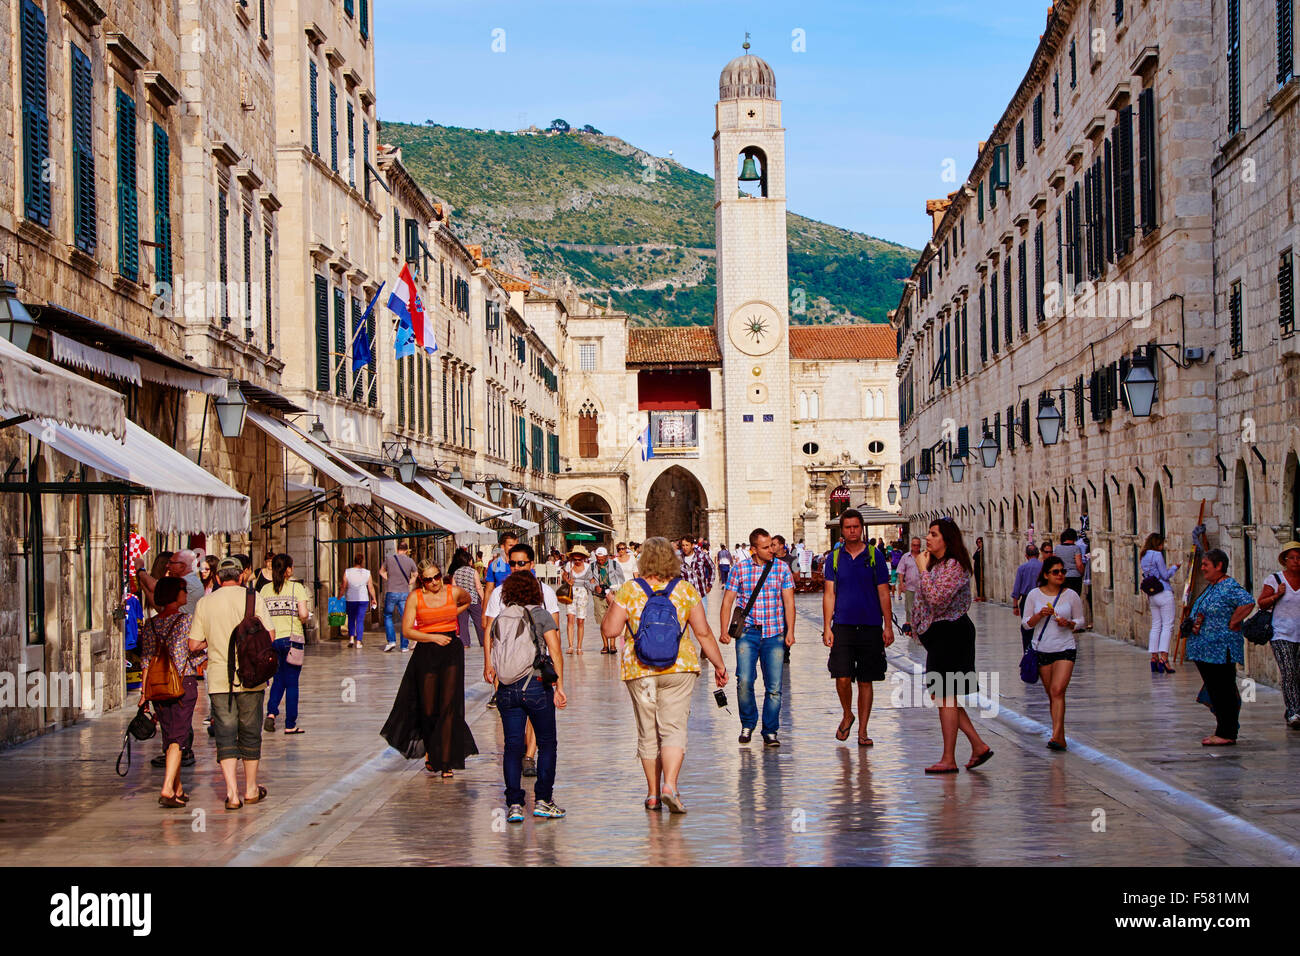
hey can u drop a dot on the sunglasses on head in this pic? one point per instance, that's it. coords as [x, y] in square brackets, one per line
[519, 564]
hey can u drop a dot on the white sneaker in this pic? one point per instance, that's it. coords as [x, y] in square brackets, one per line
[406, 649]
[351, 643]
[389, 647]
[358, 645]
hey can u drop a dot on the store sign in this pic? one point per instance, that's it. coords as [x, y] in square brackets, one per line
[840, 494]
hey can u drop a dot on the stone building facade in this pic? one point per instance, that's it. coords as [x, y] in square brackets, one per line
[1102, 227]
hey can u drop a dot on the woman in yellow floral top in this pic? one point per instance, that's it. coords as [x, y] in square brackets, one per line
[661, 699]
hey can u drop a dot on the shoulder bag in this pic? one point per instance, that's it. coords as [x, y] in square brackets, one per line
[162, 681]
[736, 626]
[1258, 628]
[1029, 660]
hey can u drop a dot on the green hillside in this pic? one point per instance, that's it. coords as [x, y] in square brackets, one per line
[632, 226]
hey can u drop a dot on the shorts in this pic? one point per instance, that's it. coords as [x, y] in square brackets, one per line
[1051, 657]
[858, 653]
[579, 606]
[661, 704]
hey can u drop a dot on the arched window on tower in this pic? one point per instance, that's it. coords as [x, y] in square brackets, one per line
[814, 405]
[751, 176]
[588, 431]
[803, 404]
[868, 404]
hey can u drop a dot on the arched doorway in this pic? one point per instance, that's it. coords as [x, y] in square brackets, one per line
[676, 506]
[597, 509]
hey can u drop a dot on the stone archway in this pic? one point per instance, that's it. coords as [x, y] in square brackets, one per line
[676, 506]
[596, 508]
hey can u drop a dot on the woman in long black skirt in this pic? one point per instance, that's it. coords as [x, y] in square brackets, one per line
[946, 632]
[428, 716]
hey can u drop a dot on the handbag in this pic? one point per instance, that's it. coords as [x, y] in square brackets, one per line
[297, 653]
[564, 593]
[1029, 660]
[1258, 628]
[162, 680]
[736, 626]
[337, 612]
[142, 726]
[1151, 585]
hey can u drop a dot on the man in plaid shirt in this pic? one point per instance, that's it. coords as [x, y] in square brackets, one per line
[697, 569]
[767, 633]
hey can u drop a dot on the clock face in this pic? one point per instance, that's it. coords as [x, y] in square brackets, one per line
[755, 328]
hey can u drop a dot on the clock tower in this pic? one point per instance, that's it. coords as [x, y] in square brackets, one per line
[752, 313]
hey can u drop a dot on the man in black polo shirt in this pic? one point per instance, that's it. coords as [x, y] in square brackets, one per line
[858, 621]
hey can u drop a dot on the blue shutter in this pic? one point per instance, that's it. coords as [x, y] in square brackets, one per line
[162, 222]
[128, 225]
[315, 113]
[85, 225]
[322, 335]
[363, 19]
[36, 121]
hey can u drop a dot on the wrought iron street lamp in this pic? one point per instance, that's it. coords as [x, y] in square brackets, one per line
[232, 408]
[318, 432]
[957, 468]
[923, 482]
[1140, 385]
[905, 488]
[1049, 421]
[988, 449]
[16, 324]
[892, 493]
[456, 479]
[495, 490]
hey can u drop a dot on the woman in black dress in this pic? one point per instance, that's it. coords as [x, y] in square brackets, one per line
[428, 717]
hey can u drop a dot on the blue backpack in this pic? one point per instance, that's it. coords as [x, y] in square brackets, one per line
[659, 634]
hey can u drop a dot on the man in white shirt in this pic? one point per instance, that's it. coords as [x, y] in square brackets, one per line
[520, 558]
[909, 579]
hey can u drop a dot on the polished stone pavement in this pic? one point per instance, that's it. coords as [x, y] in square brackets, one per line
[1135, 788]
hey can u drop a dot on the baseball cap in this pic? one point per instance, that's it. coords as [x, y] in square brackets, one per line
[602, 553]
[230, 563]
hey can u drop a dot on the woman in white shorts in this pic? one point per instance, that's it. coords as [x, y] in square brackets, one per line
[580, 575]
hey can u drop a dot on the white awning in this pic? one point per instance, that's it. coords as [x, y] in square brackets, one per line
[548, 505]
[350, 481]
[397, 495]
[186, 499]
[483, 534]
[33, 386]
[497, 511]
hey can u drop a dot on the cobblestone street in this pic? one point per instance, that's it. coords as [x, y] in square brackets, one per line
[1135, 788]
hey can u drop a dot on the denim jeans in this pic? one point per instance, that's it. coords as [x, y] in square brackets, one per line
[752, 651]
[285, 684]
[394, 604]
[517, 703]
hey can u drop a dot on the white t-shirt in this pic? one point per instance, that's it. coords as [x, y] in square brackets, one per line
[1054, 637]
[628, 566]
[1286, 612]
[493, 607]
[356, 580]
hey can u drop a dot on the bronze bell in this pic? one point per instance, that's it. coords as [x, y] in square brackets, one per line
[749, 171]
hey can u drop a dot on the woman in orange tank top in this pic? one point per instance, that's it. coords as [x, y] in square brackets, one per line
[428, 716]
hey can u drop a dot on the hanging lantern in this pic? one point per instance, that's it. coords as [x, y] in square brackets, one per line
[231, 411]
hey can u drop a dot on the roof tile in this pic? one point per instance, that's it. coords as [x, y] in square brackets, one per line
[874, 341]
[690, 345]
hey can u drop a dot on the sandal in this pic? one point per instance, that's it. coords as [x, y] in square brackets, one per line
[172, 803]
[982, 758]
[447, 775]
[652, 803]
[674, 801]
[261, 795]
[235, 805]
[842, 732]
[866, 742]
[935, 768]
[294, 730]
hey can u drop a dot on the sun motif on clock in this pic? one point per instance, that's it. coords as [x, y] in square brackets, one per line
[755, 328]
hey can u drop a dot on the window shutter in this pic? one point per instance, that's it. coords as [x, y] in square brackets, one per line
[85, 225]
[1060, 253]
[965, 341]
[363, 19]
[927, 458]
[1007, 315]
[1024, 422]
[248, 274]
[372, 389]
[1076, 241]
[162, 223]
[1039, 270]
[334, 128]
[1088, 231]
[1074, 67]
[322, 335]
[413, 244]
[1110, 195]
[314, 113]
[997, 428]
[1020, 142]
[128, 225]
[1147, 157]
[1023, 289]
[1234, 66]
[1078, 402]
[340, 343]
[36, 121]
[1124, 188]
[352, 149]
[993, 311]
[397, 232]
[357, 395]
[1235, 336]
[401, 393]
[1011, 427]
[1038, 119]
[365, 159]
[223, 262]
[1285, 49]
[1056, 93]
[984, 332]
[267, 284]
[963, 441]
[1286, 294]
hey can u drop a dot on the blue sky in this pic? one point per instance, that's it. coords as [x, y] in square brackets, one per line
[881, 95]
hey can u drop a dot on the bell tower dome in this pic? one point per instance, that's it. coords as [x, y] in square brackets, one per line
[752, 312]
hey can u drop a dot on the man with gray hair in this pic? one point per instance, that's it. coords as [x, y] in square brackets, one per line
[909, 581]
[236, 710]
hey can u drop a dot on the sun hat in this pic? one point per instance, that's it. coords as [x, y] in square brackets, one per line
[579, 549]
[1289, 546]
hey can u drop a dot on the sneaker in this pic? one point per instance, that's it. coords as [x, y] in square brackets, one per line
[406, 649]
[545, 808]
[389, 647]
[358, 645]
[269, 724]
[770, 740]
[530, 766]
[1293, 720]
[492, 701]
[515, 814]
[351, 643]
[746, 733]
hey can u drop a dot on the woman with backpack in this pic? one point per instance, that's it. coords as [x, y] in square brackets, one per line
[523, 638]
[169, 634]
[286, 602]
[431, 699]
[1156, 578]
[656, 607]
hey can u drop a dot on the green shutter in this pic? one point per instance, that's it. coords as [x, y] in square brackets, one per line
[372, 390]
[340, 343]
[523, 442]
[401, 393]
[363, 19]
[162, 223]
[1285, 49]
[128, 225]
[248, 275]
[365, 158]
[315, 113]
[334, 128]
[322, 335]
[266, 288]
[36, 121]
[352, 148]
[223, 261]
[85, 225]
[357, 395]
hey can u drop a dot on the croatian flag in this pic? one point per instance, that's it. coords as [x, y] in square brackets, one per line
[412, 309]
